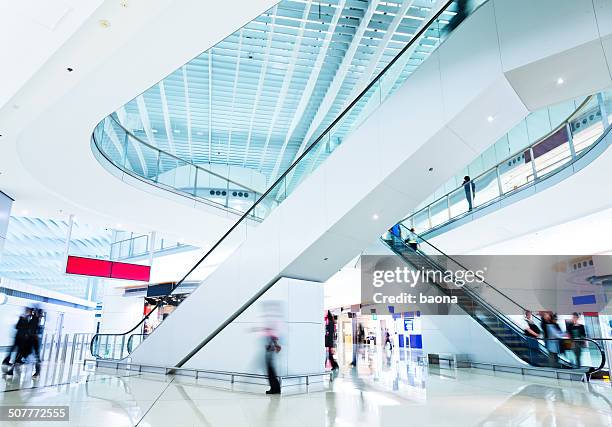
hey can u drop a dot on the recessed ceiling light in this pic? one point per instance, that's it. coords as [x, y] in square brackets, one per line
[375, 216]
[490, 119]
[70, 69]
[560, 81]
[104, 23]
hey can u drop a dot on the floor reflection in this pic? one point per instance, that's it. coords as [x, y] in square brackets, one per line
[386, 388]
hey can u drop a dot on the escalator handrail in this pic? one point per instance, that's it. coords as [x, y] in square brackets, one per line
[472, 294]
[308, 149]
[128, 342]
[502, 316]
[602, 353]
[564, 123]
[423, 240]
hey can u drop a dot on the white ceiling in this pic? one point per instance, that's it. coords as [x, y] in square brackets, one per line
[141, 44]
[585, 235]
[32, 31]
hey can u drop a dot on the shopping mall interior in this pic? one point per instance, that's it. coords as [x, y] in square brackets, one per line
[306, 213]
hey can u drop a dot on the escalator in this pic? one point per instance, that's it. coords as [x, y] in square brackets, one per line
[340, 220]
[487, 312]
[117, 346]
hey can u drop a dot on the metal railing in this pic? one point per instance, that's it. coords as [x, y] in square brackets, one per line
[203, 373]
[562, 146]
[131, 247]
[138, 246]
[65, 347]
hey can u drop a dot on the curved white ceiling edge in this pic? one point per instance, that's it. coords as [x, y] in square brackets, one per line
[47, 164]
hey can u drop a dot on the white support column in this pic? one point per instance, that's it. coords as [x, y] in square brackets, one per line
[91, 282]
[151, 247]
[68, 236]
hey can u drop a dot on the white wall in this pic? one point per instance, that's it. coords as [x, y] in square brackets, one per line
[240, 346]
[119, 313]
[460, 334]
[436, 119]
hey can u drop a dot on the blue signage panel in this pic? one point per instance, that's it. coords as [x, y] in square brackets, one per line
[583, 299]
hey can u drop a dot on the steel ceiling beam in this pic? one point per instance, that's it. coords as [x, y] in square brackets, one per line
[187, 110]
[262, 77]
[310, 85]
[287, 78]
[234, 86]
[122, 116]
[166, 114]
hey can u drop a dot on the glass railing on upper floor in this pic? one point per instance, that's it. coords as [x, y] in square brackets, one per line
[562, 146]
[138, 246]
[424, 42]
[119, 147]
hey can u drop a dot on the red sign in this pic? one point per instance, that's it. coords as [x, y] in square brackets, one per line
[112, 270]
[122, 270]
[88, 266]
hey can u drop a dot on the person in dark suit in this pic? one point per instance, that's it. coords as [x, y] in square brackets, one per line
[576, 331]
[470, 191]
[330, 330]
[20, 345]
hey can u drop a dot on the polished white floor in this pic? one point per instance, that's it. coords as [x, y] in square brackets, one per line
[386, 389]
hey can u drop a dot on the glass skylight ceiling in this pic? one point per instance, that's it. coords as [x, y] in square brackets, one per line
[260, 96]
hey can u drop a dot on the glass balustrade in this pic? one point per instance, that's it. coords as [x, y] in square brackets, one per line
[571, 139]
[136, 157]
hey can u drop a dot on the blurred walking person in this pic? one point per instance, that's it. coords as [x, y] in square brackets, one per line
[463, 9]
[553, 337]
[388, 339]
[272, 348]
[34, 333]
[20, 343]
[412, 240]
[272, 313]
[330, 332]
[532, 332]
[576, 331]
